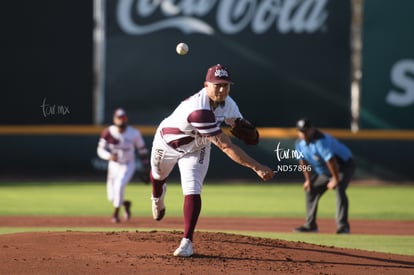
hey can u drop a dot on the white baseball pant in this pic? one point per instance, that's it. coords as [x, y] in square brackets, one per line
[119, 174]
[192, 166]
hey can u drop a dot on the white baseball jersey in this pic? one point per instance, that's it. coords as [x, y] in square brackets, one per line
[181, 138]
[121, 144]
[121, 171]
[194, 119]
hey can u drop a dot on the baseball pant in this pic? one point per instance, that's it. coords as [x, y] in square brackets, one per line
[319, 187]
[193, 166]
[119, 174]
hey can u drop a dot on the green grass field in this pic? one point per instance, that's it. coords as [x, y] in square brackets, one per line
[220, 200]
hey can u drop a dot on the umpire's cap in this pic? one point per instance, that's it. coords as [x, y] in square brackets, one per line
[304, 124]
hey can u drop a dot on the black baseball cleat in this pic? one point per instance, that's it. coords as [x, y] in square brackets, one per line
[305, 229]
[343, 230]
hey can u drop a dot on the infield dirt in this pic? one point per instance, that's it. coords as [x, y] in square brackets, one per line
[150, 252]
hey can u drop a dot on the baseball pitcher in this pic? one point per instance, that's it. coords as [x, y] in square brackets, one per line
[185, 138]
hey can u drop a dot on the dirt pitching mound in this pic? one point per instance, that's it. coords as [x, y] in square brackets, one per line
[122, 252]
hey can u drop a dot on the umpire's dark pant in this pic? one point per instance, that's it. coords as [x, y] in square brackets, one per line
[318, 188]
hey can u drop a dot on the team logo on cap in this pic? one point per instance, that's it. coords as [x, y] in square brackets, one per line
[221, 73]
[301, 123]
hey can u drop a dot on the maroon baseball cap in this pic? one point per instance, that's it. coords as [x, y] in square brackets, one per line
[120, 113]
[218, 74]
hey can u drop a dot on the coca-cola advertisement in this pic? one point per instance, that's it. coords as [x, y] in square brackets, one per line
[287, 58]
[387, 87]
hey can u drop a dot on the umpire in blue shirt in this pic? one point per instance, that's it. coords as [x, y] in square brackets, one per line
[332, 167]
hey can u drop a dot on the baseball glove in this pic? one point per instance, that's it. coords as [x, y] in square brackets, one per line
[144, 174]
[246, 131]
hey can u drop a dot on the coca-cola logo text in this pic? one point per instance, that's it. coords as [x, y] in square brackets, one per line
[232, 16]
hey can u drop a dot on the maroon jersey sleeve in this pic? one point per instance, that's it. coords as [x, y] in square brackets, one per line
[205, 122]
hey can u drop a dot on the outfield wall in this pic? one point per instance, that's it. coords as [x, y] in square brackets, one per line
[288, 59]
[70, 152]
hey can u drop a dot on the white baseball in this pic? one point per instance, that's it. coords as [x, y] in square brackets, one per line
[182, 48]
